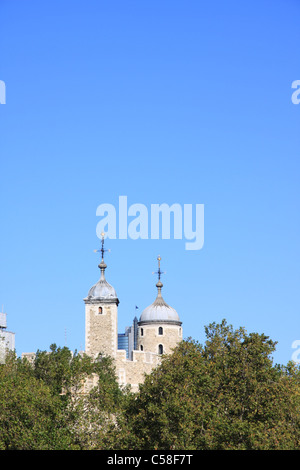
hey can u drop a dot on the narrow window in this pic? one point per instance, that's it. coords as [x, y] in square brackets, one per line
[160, 349]
[160, 330]
[142, 332]
[142, 347]
[100, 310]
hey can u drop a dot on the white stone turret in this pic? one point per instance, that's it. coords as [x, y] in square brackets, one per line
[159, 324]
[101, 316]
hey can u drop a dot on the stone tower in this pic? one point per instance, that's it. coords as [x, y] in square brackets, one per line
[101, 316]
[157, 332]
[159, 325]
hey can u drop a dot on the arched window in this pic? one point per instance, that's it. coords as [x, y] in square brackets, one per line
[100, 310]
[160, 349]
[160, 330]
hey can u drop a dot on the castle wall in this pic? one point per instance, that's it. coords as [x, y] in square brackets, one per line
[101, 329]
[102, 337]
[133, 371]
[151, 335]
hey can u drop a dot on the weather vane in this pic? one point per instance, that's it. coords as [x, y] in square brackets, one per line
[159, 272]
[102, 249]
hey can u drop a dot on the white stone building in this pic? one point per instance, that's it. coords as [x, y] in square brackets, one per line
[7, 338]
[140, 348]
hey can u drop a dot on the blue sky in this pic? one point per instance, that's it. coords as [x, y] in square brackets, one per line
[164, 102]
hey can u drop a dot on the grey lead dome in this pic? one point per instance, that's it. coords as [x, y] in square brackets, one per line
[159, 311]
[102, 290]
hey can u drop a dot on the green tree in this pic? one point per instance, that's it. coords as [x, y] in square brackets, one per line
[61, 401]
[98, 407]
[88, 389]
[62, 370]
[30, 416]
[226, 394]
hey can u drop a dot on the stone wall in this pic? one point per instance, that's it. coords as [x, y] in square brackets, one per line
[151, 335]
[154, 339]
[133, 371]
[101, 329]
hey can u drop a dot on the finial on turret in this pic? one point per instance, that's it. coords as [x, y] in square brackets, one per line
[159, 284]
[102, 250]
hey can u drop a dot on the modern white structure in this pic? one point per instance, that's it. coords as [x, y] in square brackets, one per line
[7, 338]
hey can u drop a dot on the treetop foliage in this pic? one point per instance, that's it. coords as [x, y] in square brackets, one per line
[225, 394]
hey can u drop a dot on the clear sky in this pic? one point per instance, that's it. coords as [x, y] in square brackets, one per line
[172, 101]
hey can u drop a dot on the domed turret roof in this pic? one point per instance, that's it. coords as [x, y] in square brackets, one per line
[159, 311]
[102, 291]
